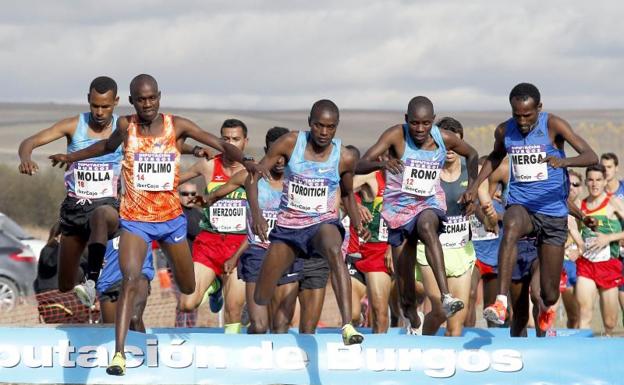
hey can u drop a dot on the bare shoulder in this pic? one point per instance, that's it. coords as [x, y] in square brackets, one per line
[557, 122]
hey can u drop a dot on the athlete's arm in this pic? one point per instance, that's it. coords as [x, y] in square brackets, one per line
[491, 163]
[196, 151]
[237, 180]
[64, 128]
[185, 128]
[359, 182]
[102, 147]
[259, 225]
[563, 132]
[392, 138]
[347, 198]
[201, 167]
[574, 232]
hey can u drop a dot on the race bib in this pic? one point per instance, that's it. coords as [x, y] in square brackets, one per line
[94, 180]
[479, 233]
[456, 232]
[309, 195]
[229, 215]
[526, 162]
[154, 172]
[382, 235]
[420, 177]
[601, 255]
[270, 216]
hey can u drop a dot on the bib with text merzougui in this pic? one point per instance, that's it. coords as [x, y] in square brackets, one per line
[601, 255]
[229, 215]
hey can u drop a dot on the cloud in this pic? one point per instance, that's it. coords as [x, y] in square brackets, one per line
[286, 54]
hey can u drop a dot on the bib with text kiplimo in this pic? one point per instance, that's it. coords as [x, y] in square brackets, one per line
[94, 180]
[154, 172]
[526, 162]
[420, 177]
[309, 195]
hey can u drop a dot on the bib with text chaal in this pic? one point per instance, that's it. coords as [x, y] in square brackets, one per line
[479, 233]
[229, 215]
[309, 195]
[94, 180]
[154, 172]
[420, 177]
[526, 162]
[270, 216]
[601, 255]
[456, 232]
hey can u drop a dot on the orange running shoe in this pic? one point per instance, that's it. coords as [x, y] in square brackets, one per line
[495, 313]
[546, 319]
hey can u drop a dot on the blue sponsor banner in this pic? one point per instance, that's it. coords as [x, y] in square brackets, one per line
[205, 356]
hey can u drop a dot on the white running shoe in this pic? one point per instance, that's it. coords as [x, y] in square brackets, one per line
[451, 305]
[86, 293]
[411, 331]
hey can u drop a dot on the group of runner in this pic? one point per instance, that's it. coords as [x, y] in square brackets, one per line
[414, 208]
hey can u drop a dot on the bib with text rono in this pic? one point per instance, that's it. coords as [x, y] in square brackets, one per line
[420, 177]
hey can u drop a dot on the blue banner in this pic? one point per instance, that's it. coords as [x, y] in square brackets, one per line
[205, 356]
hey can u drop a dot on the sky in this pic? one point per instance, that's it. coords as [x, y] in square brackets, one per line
[286, 54]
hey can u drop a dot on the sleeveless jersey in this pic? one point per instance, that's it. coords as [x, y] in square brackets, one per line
[456, 228]
[269, 201]
[228, 214]
[93, 178]
[537, 186]
[619, 193]
[310, 187]
[377, 227]
[111, 272]
[418, 187]
[605, 226]
[150, 174]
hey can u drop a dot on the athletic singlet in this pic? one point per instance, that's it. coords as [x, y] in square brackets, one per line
[377, 227]
[536, 186]
[417, 188]
[228, 214]
[111, 272]
[93, 178]
[269, 201]
[605, 226]
[486, 244]
[309, 194]
[150, 174]
[456, 228]
[619, 193]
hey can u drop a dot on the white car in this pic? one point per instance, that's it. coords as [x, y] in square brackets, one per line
[10, 227]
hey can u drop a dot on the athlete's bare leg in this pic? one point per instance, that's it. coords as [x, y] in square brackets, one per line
[427, 230]
[182, 265]
[358, 291]
[136, 322]
[328, 242]
[379, 285]
[571, 307]
[551, 263]
[586, 291]
[258, 314]
[234, 297]
[70, 250]
[279, 257]
[516, 224]
[471, 316]
[609, 308]
[204, 276]
[282, 307]
[311, 305]
[406, 281]
[519, 293]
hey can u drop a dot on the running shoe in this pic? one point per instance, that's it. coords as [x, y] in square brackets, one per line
[214, 296]
[546, 319]
[495, 313]
[414, 331]
[451, 305]
[86, 293]
[350, 336]
[117, 366]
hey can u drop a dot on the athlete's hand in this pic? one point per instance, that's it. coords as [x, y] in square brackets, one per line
[363, 233]
[388, 261]
[601, 241]
[491, 218]
[395, 166]
[365, 214]
[572, 252]
[468, 196]
[62, 160]
[28, 167]
[230, 264]
[260, 227]
[201, 201]
[590, 222]
[202, 152]
[555, 162]
[468, 209]
[256, 169]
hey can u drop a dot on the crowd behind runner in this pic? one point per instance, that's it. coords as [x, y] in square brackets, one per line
[409, 229]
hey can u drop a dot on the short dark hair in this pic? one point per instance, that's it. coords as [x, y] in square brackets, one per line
[418, 102]
[140, 80]
[524, 91]
[231, 123]
[451, 124]
[324, 105]
[103, 84]
[610, 156]
[596, 167]
[274, 134]
[354, 149]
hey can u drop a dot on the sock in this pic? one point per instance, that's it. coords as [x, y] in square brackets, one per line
[502, 299]
[95, 260]
[233, 328]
